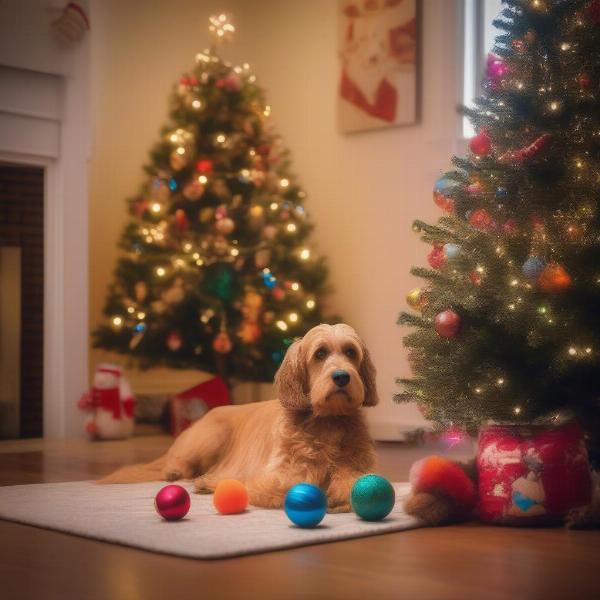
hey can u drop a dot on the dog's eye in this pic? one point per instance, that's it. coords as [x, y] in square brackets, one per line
[350, 353]
[321, 354]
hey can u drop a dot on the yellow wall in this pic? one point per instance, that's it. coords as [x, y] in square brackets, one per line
[364, 189]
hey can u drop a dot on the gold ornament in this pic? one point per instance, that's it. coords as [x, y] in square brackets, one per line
[414, 298]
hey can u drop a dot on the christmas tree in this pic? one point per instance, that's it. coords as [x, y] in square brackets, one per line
[216, 272]
[509, 327]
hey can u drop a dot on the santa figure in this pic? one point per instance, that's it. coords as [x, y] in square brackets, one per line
[110, 404]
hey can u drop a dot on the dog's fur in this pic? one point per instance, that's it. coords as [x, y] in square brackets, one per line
[314, 433]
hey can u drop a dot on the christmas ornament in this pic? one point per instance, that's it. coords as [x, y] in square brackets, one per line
[372, 497]
[278, 293]
[222, 343]
[305, 505]
[447, 323]
[496, 67]
[249, 331]
[174, 341]
[436, 258]
[204, 166]
[510, 226]
[231, 83]
[269, 279]
[482, 220]
[181, 221]
[175, 293]
[554, 278]
[481, 144]
[177, 161]
[501, 193]
[172, 184]
[527, 152]
[584, 81]
[532, 268]
[475, 278]
[414, 298]
[230, 497]
[475, 188]
[593, 11]
[193, 190]
[269, 232]
[442, 192]
[140, 290]
[451, 251]
[172, 502]
[225, 226]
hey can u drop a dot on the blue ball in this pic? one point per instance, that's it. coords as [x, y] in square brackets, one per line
[451, 250]
[501, 193]
[533, 267]
[444, 185]
[305, 505]
[172, 184]
[372, 497]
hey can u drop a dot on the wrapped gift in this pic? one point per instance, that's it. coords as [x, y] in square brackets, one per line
[532, 474]
[190, 405]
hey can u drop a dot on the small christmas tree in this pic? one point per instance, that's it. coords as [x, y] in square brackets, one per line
[216, 272]
[509, 328]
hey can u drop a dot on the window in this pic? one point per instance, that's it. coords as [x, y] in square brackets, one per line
[479, 35]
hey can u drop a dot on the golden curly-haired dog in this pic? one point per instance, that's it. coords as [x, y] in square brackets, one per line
[315, 432]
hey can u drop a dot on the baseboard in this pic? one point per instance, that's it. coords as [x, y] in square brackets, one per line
[386, 431]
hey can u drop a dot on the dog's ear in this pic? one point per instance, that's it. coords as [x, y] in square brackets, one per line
[368, 375]
[291, 379]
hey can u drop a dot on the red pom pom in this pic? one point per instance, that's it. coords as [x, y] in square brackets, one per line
[437, 257]
[437, 474]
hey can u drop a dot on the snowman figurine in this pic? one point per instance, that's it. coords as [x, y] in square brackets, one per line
[528, 495]
[110, 404]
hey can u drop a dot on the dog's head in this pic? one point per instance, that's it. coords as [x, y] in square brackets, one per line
[329, 371]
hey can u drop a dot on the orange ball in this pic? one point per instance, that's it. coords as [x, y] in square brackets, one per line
[231, 497]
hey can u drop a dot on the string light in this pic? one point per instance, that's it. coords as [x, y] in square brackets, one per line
[310, 304]
[267, 111]
[196, 256]
[282, 325]
[295, 286]
[117, 321]
[284, 182]
[220, 27]
[274, 206]
[199, 262]
[196, 104]
[572, 351]
[156, 207]
[588, 350]
[234, 252]
[293, 317]
[180, 150]
[245, 173]
[478, 390]
[130, 310]
[161, 271]
[517, 410]
[187, 247]
[141, 315]
[500, 381]
[291, 227]
[221, 138]
[305, 254]
[179, 262]
[203, 179]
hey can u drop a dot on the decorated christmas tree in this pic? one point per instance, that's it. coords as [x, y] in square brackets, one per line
[216, 272]
[507, 326]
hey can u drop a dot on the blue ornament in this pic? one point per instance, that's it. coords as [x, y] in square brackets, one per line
[172, 184]
[501, 193]
[305, 505]
[372, 497]
[451, 250]
[269, 280]
[444, 185]
[140, 327]
[277, 357]
[533, 267]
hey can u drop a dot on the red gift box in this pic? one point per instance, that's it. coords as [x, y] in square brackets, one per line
[190, 405]
[531, 474]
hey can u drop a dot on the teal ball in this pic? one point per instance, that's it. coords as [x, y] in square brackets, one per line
[305, 505]
[372, 497]
[451, 251]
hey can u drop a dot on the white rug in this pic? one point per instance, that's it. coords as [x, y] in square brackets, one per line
[124, 514]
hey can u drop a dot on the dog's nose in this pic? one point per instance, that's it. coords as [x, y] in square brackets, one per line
[340, 377]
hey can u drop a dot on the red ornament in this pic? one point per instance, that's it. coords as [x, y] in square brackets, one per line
[554, 278]
[475, 278]
[172, 502]
[204, 165]
[444, 202]
[231, 83]
[481, 144]
[437, 257]
[174, 341]
[181, 221]
[482, 220]
[278, 293]
[584, 81]
[222, 343]
[531, 474]
[140, 207]
[593, 10]
[496, 67]
[509, 226]
[447, 323]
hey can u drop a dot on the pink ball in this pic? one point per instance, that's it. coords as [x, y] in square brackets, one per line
[172, 502]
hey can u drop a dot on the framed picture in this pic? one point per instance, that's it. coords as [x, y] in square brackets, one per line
[378, 49]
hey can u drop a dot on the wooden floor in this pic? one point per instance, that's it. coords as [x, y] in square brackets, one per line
[461, 562]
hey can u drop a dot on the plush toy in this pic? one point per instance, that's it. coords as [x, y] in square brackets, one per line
[520, 477]
[110, 404]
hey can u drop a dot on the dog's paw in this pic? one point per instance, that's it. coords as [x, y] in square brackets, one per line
[339, 508]
[433, 509]
[203, 486]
